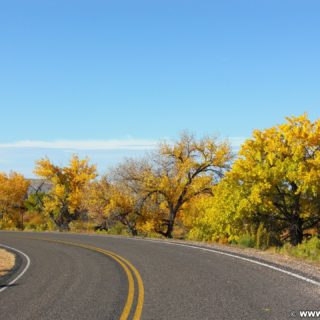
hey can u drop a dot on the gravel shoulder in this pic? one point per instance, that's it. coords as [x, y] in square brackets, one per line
[7, 262]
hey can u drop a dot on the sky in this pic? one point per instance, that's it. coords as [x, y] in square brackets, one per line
[108, 79]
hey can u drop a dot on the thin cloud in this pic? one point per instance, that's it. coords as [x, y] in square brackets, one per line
[126, 144]
[116, 144]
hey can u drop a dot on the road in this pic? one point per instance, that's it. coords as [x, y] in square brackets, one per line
[69, 279]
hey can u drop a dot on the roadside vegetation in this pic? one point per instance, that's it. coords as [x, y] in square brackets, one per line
[267, 195]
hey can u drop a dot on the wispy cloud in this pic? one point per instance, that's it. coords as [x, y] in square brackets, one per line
[116, 144]
[125, 144]
[104, 153]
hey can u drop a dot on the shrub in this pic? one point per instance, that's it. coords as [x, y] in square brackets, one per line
[246, 241]
[262, 237]
[118, 229]
[309, 249]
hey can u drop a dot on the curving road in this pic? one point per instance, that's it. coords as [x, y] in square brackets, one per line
[95, 277]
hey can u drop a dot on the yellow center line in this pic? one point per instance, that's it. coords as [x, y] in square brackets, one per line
[140, 302]
[126, 265]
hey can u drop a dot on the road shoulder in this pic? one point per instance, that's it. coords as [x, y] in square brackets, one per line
[10, 264]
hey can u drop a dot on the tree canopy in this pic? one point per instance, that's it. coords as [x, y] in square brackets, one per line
[13, 192]
[63, 203]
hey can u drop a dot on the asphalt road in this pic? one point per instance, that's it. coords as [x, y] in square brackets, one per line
[67, 281]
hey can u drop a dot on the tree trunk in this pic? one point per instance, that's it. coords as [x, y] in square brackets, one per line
[61, 222]
[22, 220]
[296, 231]
[133, 231]
[63, 227]
[169, 231]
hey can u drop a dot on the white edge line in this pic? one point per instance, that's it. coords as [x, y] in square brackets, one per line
[23, 271]
[292, 274]
[295, 275]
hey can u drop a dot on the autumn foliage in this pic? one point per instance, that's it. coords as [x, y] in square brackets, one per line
[279, 172]
[274, 182]
[13, 192]
[267, 194]
[63, 203]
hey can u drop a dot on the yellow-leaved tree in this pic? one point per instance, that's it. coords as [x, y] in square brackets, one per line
[109, 202]
[124, 206]
[95, 199]
[63, 203]
[13, 192]
[175, 175]
[278, 170]
[218, 218]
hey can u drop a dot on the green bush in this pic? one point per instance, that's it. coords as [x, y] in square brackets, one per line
[309, 249]
[262, 238]
[246, 241]
[118, 229]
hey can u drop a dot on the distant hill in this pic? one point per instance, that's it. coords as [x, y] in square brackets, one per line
[39, 185]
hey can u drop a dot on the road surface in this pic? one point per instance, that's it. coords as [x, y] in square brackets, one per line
[95, 277]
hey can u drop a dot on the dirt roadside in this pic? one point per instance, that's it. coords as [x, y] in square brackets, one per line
[7, 261]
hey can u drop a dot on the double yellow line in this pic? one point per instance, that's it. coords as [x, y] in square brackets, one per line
[130, 271]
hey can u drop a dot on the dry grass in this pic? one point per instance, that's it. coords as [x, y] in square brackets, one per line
[7, 261]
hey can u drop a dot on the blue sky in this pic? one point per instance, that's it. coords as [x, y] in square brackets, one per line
[109, 78]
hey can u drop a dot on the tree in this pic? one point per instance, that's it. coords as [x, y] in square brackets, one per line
[95, 199]
[63, 203]
[34, 202]
[124, 206]
[113, 201]
[218, 218]
[177, 174]
[13, 192]
[279, 169]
